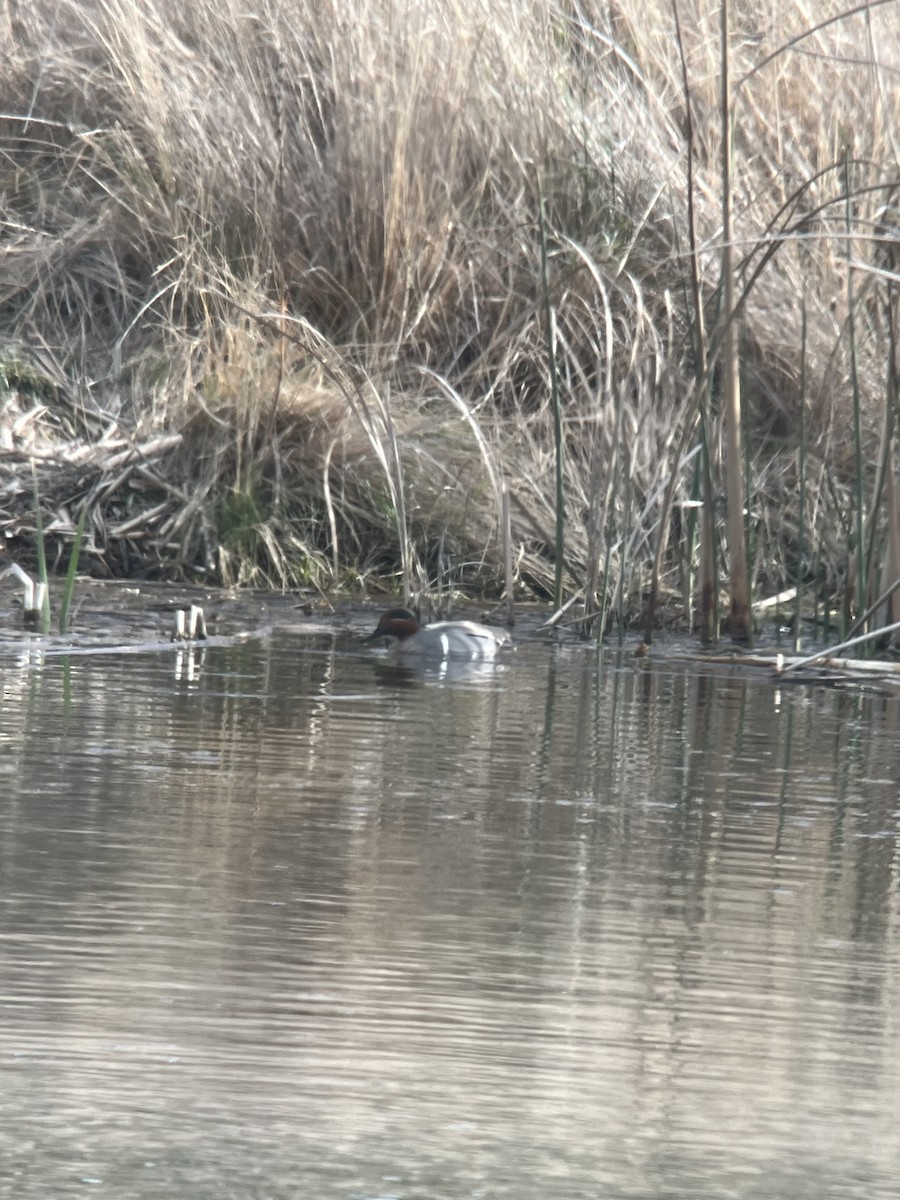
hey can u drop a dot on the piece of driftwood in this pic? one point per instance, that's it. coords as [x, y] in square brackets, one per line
[823, 667]
[794, 663]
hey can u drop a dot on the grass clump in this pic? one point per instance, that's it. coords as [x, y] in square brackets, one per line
[289, 273]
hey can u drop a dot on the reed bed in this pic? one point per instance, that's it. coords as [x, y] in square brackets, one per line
[349, 294]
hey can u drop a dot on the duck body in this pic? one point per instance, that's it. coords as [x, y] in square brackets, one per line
[445, 639]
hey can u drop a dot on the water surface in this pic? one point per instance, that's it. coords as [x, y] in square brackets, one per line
[281, 921]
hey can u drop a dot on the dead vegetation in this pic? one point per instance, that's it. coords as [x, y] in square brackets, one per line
[272, 295]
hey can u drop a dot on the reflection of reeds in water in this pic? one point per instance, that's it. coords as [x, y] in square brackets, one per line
[270, 264]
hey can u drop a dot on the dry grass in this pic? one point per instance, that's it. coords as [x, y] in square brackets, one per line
[271, 283]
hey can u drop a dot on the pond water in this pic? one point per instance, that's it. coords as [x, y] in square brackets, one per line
[279, 921]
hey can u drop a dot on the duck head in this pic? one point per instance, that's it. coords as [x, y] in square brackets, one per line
[396, 622]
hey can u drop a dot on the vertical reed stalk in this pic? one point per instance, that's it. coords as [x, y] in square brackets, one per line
[689, 546]
[885, 462]
[399, 498]
[893, 394]
[893, 397]
[624, 563]
[826, 604]
[550, 318]
[604, 596]
[698, 333]
[40, 550]
[698, 329]
[332, 519]
[71, 572]
[709, 591]
[801, 516]
[506, 535]
[708, 597]
[665, 518]
[892, 557]
[280, 257]
[861, 572]
[609, 529]
[734, 458]
[698, 326]
[593, 543]
[612, 490]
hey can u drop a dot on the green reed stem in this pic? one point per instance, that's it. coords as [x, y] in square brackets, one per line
[74, 554]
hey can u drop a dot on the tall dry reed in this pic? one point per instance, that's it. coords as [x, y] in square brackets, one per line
[230, 234]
